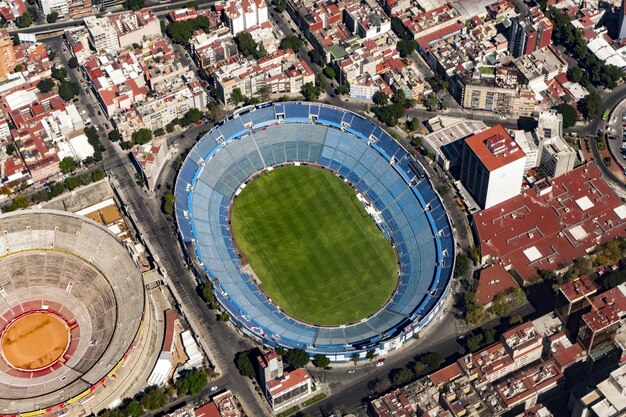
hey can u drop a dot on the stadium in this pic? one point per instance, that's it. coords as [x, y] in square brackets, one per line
[72, 305]
[392, 187]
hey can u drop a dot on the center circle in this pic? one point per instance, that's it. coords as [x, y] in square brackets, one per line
[313, 248]
[34, 341]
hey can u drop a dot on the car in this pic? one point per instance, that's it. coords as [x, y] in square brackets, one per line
[214, 388]
[99, 113]
[350, 371]
[379, 364]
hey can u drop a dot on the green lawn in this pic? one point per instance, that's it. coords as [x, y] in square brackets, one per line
[318, 254]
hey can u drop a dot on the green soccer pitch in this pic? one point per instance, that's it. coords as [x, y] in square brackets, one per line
[319, 256]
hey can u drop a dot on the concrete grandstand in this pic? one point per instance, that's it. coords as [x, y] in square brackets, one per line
[64, 265]
[359, 152]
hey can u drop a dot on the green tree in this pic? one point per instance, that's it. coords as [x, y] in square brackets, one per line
[500, 305]
[381, 99]
[355, 357]
[10, 149]
[154, 398]
[191, 382]
[180, 32]
[474, 342]
[310, 92]
[168, 204]
[515, 320]
[67, 165]
[193, 115]
[115, 136]
[401, 376]
[461, 265]
[45, 85]
[614, 278]
[297, 358]
[474, 253]
[343, 89]
[59, 73]
[420, 369]
[207, 293]
[134, 4]
[569, 115]
[159, 132]
[52, 17]
[316, 57]
[24, 20]
[591, 105]
[237, 96]
[437, 83]
[192, 4]
[370, 355]
[141, 136]
[574, 74]
[97, 175]
[413, 124]
[244, 365]
[474, 312]
[329, 72]
[72, 182]
[246, 44]
[291, 42]
[321, 361]
[432, 360]
[51, 55]
[73, 62]
[281, 5]
[133, 409]
[406, 47]
[68, 90]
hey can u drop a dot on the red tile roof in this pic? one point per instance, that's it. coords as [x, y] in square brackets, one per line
[547, 230]
[208, 410]
[495, 148]
[447, 374]
[289, 380]
[579, 288]
[493, 280]
[168, 342]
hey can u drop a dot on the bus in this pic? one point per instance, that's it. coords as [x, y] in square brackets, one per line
[605, 115]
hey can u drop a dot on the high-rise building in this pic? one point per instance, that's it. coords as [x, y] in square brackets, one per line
[599, 326]
[550, 125]
[59, 6]
[529, 33]
[622, 21]
[7, 54]
[243, 14]
[492, 166]
[557, 157]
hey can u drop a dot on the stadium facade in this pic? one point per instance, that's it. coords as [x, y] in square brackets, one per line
[67, 266]
[359, 152]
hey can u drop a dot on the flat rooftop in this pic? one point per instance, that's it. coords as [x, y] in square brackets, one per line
[495, 148]
[547, 227]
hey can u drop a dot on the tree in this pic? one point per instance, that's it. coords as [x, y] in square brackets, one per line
[291, 42]
[406, 47]
[474, 312]
[321, 361]
[574, 74]
[500, 305]
[569, 114]
[515, 320]
[115, 136]
[461, 265]
[45, 85]
[413, 124]
[432, 360]
[168, 203]
[591, 105]
[420, 369]
[34, 12]
[310, 92]
[51, 55]
[329, 72]
[73, 62]
[246, 44]
[67, 165]
[72, 183]
[343, 89]
[17, 68]
[134, 4]
[191, 382]
[370, 355]
[180, 32]
[474, 342]
[474, 254]
[52, 17]
[281, 5]
[141, 136]
[97, 175]
[59, 73]
[193, 115]
[24, 20]
[10, 149]
[437, 83]
[244, 365]
[381, 99]
[431, 102]
[159, 132]
[192, 5]
[154, 398]
[237, 96]
[133, 409]
[614, 278]
[401, 376]
[297, 358]
[316, 57]
[355, 357]
[68, 90]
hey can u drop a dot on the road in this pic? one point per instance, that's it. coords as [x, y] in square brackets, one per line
[159, 10]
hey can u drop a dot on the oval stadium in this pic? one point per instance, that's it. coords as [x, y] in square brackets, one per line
[391, 186]
[69, 282]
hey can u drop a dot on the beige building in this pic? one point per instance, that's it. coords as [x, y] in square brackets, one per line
[557, 157]
[151, 159]
[117, 32]
[7, 53]
[517, 101]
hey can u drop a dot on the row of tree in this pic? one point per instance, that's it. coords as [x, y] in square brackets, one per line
[423, 365]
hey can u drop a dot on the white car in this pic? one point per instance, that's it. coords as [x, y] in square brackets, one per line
[379, 364]
[350, 371]
[214, 388]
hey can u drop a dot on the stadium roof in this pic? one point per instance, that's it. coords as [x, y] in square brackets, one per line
[542, 228]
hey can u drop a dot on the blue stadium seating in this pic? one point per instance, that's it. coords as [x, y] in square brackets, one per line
[396, 185]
